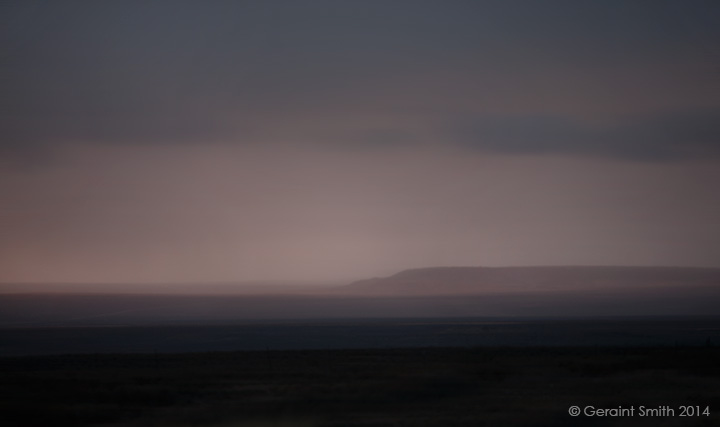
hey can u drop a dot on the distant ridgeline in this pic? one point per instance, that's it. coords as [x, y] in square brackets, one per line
[494, 280]
[419, 293]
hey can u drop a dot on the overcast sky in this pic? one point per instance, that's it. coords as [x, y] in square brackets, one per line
[191, 141]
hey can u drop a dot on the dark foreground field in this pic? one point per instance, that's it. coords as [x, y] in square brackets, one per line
[379, 387]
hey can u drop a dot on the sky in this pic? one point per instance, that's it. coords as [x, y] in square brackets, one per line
[332, 140]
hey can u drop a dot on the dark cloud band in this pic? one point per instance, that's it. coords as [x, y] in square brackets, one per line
[664, 136]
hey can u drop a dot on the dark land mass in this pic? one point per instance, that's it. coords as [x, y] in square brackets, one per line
[24, 311]
[384, 387]
[328, 334]
[428, 347]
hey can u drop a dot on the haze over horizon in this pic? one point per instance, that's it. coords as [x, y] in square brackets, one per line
[197, 142]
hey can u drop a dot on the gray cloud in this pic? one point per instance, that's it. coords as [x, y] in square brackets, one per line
[663, 136]
[197, 72]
